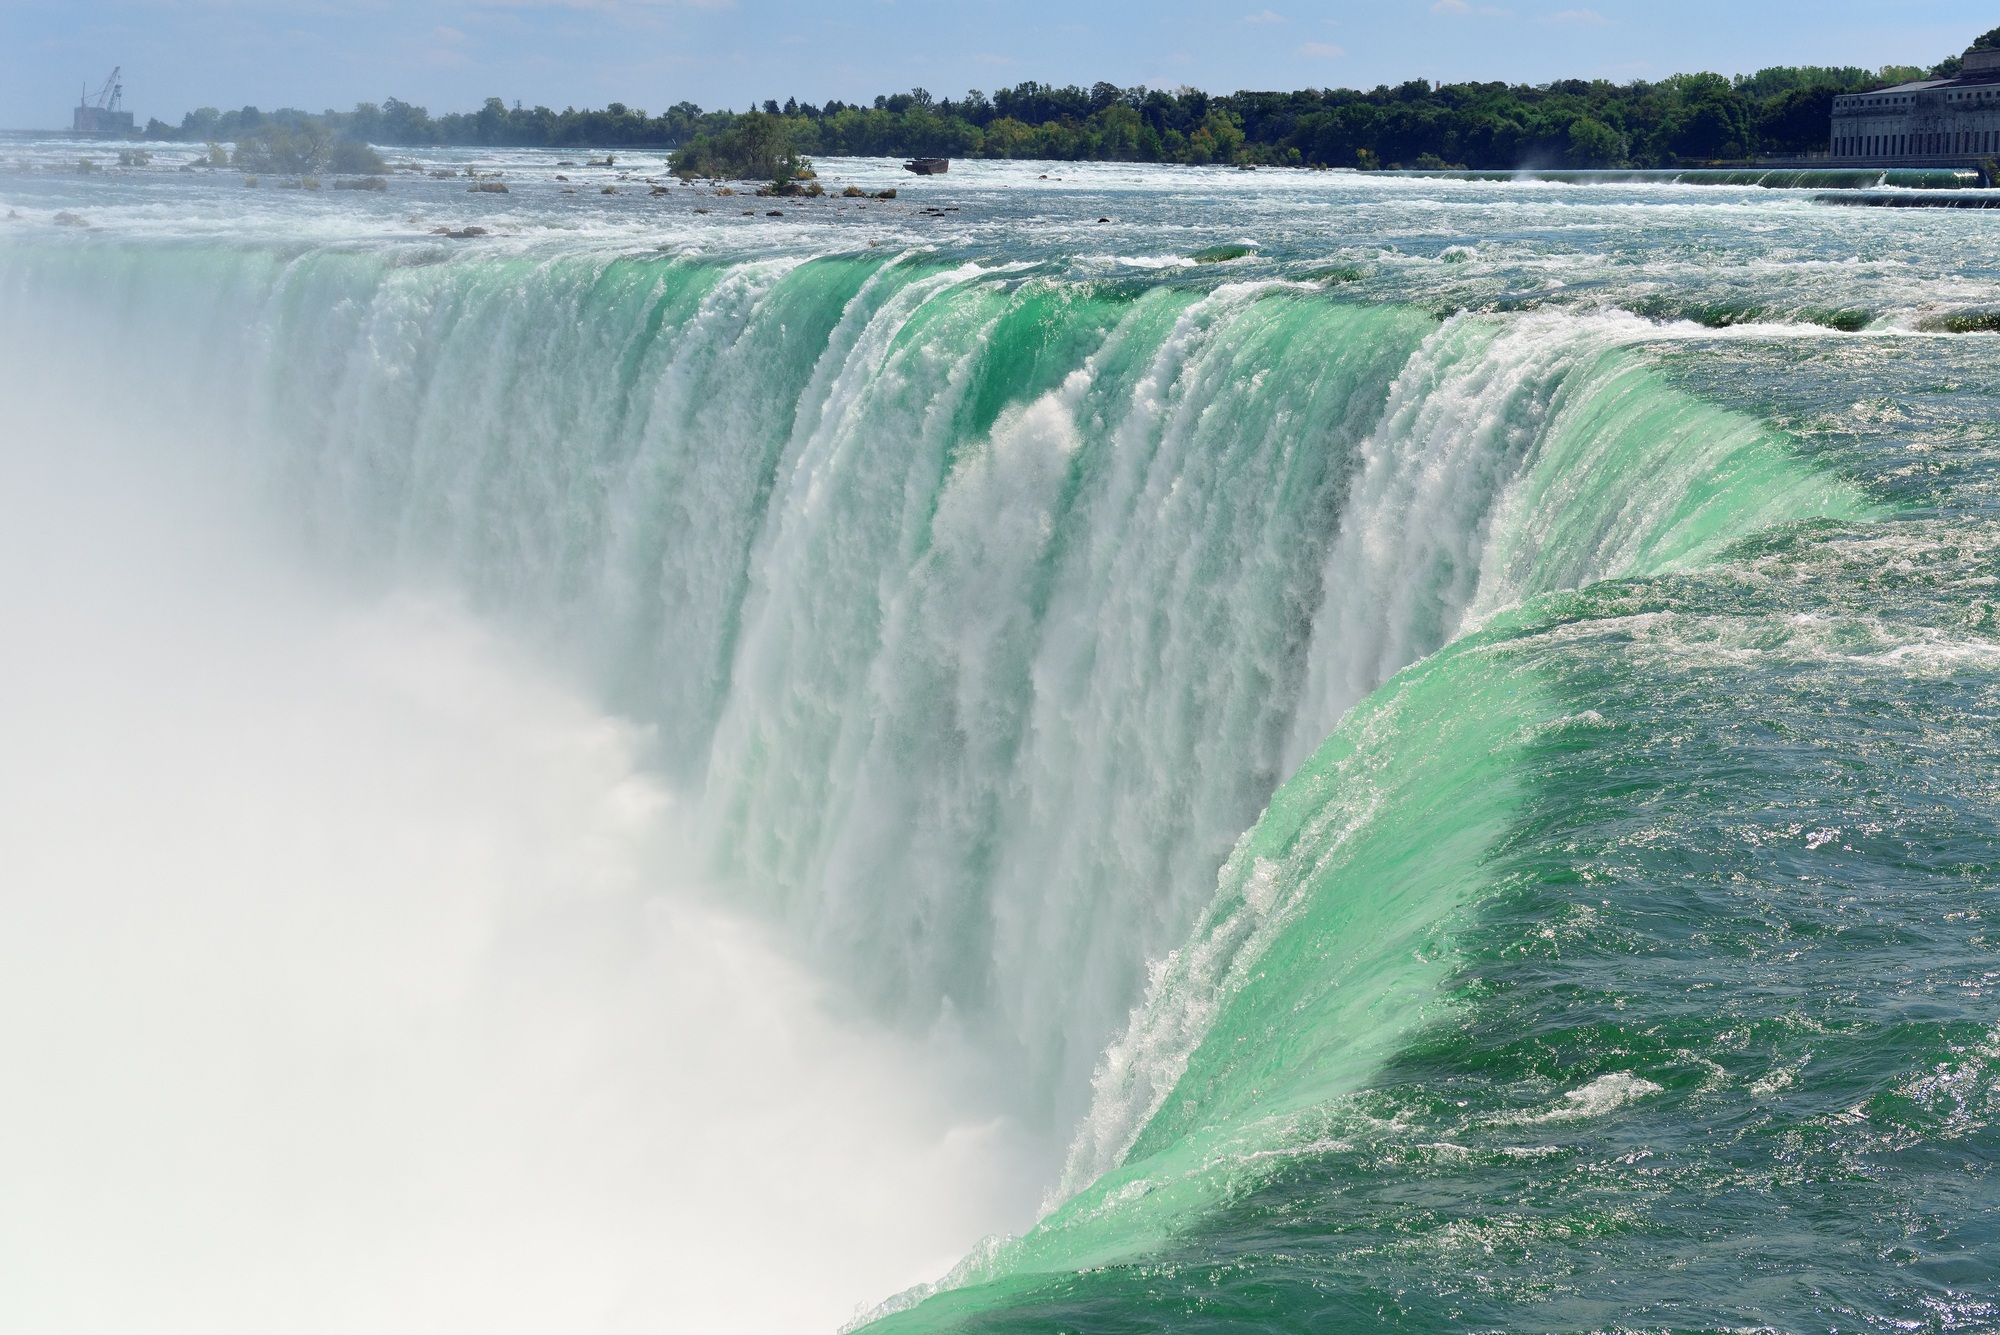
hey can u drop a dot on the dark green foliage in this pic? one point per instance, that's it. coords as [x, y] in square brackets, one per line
[354, 158]
[757, 146]
[276, 147]
[1592, 143]
[1685, 120]
[1796, 121]
[304, 144]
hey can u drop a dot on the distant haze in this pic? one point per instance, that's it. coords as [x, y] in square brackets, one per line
[449, 54]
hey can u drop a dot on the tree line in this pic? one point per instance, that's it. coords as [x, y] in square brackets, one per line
[1688, 119]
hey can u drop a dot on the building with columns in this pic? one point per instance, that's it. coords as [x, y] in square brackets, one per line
[1937, 122]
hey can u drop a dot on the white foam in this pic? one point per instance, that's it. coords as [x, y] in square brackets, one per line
[353, 977]
[1602, 1096]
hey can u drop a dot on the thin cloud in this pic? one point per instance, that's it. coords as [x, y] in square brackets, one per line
[1451, 7]
[1584, 16]
[1265, 16]
[1322, 50]
[445, 53]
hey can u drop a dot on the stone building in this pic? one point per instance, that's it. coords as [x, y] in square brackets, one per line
[1941, 122]
[101, 122]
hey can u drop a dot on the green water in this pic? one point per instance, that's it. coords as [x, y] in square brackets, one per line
[1648, 985]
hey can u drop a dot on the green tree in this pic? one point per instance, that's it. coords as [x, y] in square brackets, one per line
[1592, 143]
[1219, 138]
[1713, 122]
[1007, 138]
[757, 146]
[1120, 133]
[272, 146]
[1796, 122]
[355, 158]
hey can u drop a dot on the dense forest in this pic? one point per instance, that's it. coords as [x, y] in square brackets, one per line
[1683, 120]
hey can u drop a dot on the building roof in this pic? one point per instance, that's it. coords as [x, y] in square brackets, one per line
[1923, 86]
[1981, 66]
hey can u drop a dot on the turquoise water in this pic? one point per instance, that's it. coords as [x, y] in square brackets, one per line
[1448, 756]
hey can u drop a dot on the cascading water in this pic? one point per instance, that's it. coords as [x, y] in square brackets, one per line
[1147, 691]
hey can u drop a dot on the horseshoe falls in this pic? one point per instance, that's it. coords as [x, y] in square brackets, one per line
[945, 765]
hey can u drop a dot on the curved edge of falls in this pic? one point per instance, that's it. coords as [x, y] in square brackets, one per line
[1328, 945]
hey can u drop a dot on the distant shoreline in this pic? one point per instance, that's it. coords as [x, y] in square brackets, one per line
[1682, 121]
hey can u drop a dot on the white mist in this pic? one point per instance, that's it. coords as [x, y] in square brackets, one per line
[351, 978]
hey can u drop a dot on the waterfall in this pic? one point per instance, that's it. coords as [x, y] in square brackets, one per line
[1035, 653]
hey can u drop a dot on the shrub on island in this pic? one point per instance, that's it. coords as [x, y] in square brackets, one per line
[755, 147]
[307, 146]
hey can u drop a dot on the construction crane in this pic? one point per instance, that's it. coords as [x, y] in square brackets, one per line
[102, 114]
[108, 97]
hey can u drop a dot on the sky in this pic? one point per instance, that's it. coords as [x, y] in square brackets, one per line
[451, 54]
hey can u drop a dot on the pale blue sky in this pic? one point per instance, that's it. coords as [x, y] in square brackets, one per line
[449, 54]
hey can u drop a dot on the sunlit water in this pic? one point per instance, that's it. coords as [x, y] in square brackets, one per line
[1378, 752]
